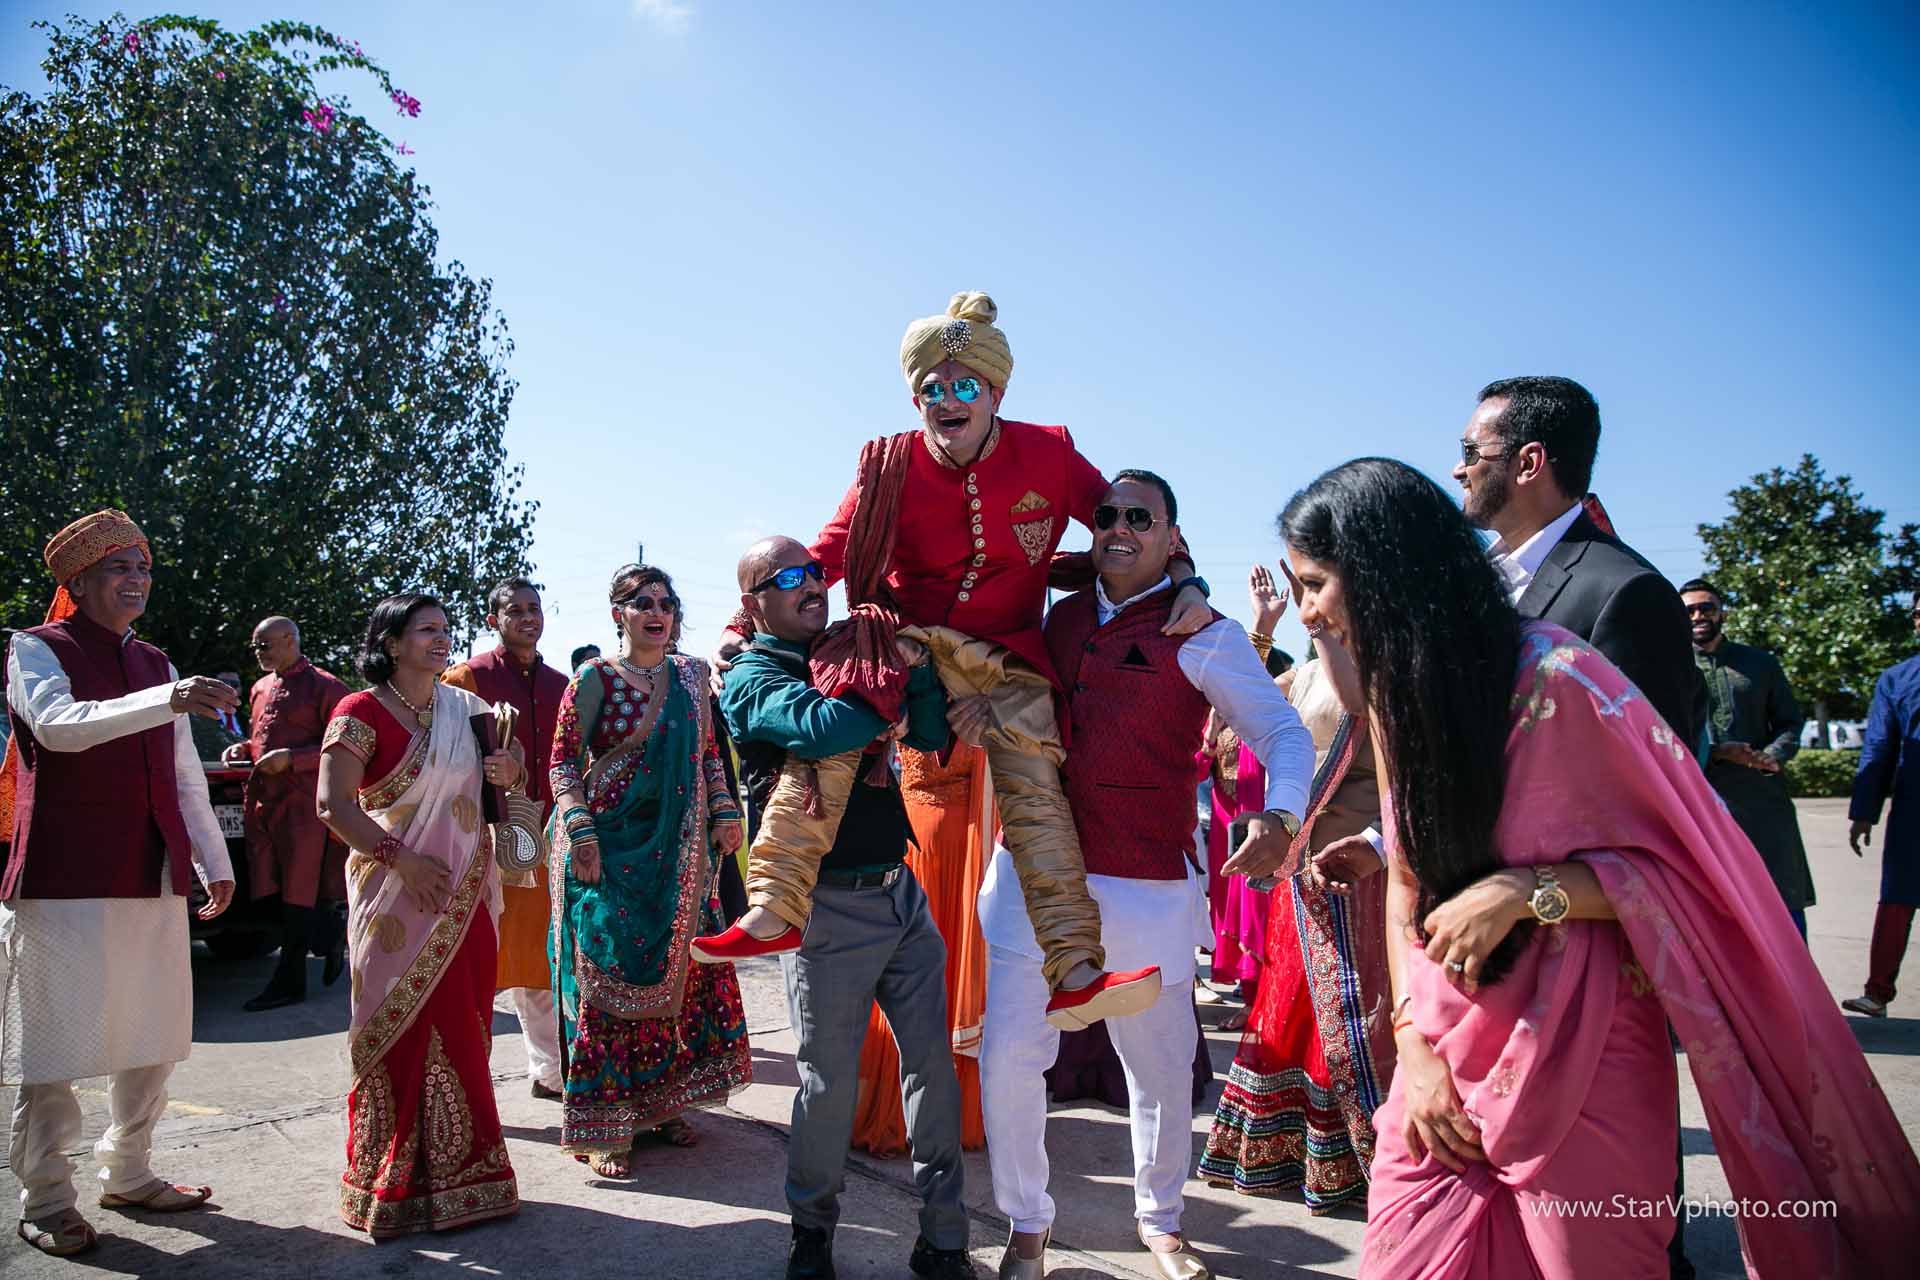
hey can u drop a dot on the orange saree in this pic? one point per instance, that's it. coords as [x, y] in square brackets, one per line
[952, 812]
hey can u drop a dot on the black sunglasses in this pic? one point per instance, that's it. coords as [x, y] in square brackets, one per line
[1139, 519]
[651, 604]
[1471, 452]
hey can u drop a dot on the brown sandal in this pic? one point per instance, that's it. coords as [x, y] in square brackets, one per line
[617, 1166]
[61, 1236]
[159, 1196]
[677, 1132]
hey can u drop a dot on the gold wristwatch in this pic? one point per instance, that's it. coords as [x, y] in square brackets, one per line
[1549, 902]
[1285, 819]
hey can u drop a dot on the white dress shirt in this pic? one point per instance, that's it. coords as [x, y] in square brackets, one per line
[1518, 567]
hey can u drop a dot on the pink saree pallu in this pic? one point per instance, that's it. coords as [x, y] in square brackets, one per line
[424, 1146]
[1565, 1064]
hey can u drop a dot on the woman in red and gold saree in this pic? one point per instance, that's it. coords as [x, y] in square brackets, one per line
[1317, 1055]
[1564, 885]
[400, 782]
[643, 816]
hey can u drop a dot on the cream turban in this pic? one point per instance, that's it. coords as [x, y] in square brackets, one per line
[964, 334]
[91, 539]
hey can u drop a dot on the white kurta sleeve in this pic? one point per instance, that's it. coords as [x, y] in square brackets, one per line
[196, 806]
[40, 694]
[1221, 663]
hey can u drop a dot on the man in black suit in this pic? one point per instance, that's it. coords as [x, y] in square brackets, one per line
[1526, 461]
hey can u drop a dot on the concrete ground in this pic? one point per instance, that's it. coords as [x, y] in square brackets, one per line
[258, 1112]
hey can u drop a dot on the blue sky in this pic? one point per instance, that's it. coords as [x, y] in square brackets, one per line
[1237, 244]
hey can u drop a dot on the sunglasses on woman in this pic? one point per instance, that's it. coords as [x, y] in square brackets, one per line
[651, 604]
[965, 390]
[790, 577]
[1139, 519]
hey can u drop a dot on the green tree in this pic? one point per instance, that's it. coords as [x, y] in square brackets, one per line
[1810, 575]
[221, 308]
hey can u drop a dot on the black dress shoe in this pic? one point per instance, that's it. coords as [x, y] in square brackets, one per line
[941, 1264]
[336, 963]
[544, 1093]
[811, 1255]
[271, 999]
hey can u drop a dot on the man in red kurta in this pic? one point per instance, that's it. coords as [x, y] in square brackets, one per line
[978, 508]
[513, 673]
[289, 850]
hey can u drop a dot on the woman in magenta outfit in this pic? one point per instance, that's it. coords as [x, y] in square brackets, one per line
[1562, 885]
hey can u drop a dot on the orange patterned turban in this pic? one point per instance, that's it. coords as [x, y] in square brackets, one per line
[91, 539]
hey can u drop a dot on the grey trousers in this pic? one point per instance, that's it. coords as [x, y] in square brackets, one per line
[864, 946]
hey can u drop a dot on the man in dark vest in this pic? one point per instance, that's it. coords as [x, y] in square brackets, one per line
[1137, 701]
[111, 817]
[289, 850]
[869, 936]
[513, 673]
[1526, 463]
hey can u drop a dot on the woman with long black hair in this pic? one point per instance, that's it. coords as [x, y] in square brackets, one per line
[1562, 884]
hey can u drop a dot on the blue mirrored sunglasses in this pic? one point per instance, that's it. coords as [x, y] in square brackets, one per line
[965, 390]
[792, 576]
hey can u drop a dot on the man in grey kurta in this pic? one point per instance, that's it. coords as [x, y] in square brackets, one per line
[1753, 728]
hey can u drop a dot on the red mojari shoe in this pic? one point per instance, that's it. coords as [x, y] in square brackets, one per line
[735, 943]
[1111, 995]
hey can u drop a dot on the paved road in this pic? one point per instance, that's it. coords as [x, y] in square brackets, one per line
[258, 1112]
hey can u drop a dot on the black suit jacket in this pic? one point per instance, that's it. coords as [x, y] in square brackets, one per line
[1605, 592]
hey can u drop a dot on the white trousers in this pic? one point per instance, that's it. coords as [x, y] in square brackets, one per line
[1142, 923]
[46, 1122]
[541, 1027]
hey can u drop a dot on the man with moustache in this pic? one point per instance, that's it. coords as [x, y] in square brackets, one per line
[94, 976]
[289, 850]
[513, 672]
[1526, 463]
[953, 527]
[1138, 698]
[870, 936]
[1753, 729]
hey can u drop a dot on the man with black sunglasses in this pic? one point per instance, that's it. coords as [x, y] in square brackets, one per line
[870, 935]
[1139, 700]
[953, 529]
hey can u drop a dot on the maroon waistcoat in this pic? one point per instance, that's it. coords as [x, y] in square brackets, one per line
[95, 823]
[1137, 721]
[538, 702]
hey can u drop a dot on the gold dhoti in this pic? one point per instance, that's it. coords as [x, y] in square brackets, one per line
[1024, 754]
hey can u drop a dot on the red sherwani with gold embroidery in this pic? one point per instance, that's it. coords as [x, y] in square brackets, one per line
[974, 542]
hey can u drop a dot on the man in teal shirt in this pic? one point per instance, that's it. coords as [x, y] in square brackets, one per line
[870, 937]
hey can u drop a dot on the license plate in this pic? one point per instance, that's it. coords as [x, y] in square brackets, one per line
[233, 823]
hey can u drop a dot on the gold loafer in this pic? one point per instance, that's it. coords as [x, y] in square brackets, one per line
[1182, 1264]
[1015, 1267]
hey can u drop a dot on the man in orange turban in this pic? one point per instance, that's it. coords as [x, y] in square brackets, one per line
[95, 977]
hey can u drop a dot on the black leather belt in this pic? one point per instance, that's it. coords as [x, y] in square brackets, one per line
[862, 879]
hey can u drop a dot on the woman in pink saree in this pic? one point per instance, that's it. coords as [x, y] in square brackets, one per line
[1563, 883]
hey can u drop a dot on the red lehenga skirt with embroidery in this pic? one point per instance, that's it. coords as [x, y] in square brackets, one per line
[424, 1147]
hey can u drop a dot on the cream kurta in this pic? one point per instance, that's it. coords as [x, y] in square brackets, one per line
[91, 986]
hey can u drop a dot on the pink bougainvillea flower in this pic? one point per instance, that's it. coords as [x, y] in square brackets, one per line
[406, 102]
[219, 75]
[403, 149]
[320, 117]
[133, 41]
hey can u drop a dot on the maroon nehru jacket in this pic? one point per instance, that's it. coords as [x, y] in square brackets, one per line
[96, 823]
[289, 850]
[1137, 721]
[535, 693]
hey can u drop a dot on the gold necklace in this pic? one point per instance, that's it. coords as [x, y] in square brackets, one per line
[423, 714]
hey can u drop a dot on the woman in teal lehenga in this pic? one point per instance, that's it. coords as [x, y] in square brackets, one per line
[642, 817]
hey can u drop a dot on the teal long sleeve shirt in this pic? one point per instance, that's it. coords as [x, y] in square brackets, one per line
[764, 702]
